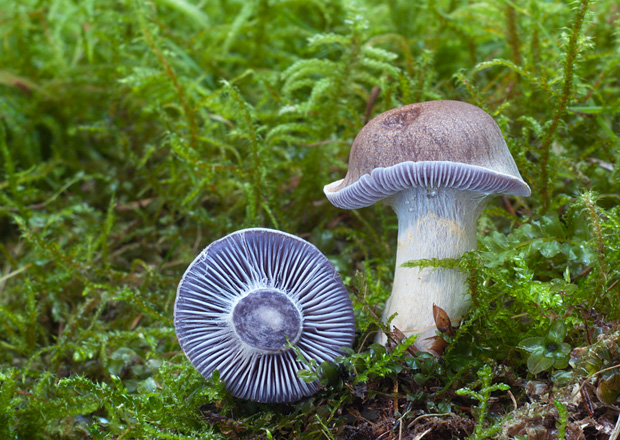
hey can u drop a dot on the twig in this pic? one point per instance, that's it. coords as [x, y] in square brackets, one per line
[595, 374]
[508, 207]
[15, 272]
[419, 436]
[395, 390]
[400, 424]
[616, 432]
[583, 273]
[514, 401]
[426, 416]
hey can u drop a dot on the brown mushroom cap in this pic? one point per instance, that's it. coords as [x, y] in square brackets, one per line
[433, 144]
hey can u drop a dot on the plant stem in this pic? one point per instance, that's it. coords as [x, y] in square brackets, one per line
[567, 86]
[434, 223]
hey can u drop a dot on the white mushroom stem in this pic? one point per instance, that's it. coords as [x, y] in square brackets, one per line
[432, 223]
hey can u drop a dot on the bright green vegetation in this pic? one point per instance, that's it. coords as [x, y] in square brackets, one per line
[134, 133]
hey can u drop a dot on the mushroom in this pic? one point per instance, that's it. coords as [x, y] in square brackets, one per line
[247, 299]
[437, 164]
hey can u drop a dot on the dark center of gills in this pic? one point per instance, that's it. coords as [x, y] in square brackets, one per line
[265, 318]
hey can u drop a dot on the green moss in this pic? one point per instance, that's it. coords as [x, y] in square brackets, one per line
[133, 134]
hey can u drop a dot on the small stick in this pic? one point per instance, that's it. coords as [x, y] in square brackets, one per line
[426, 416]
[508, 206]
[514, 401]
[616, 432]
[583, 273]
[395, 390]
[595, 374]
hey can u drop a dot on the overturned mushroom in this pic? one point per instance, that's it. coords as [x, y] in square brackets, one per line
[437, 164]
[249, 296]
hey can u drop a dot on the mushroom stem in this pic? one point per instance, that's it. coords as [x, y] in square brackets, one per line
[432, 223]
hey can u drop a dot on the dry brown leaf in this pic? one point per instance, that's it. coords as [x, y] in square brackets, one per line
[442, 321]
[444, 325]
[397, 336]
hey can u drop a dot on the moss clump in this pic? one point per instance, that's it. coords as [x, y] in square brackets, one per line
[132, 134]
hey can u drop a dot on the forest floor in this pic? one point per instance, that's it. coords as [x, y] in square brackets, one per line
[135, 133]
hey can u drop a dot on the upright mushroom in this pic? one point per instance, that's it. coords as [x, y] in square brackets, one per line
[437, 164]
[251, 295]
